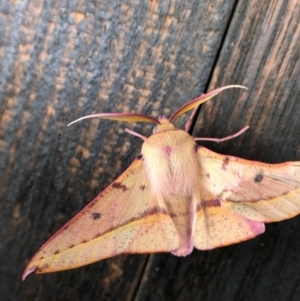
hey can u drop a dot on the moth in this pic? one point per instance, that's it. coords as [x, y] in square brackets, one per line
[175, 196]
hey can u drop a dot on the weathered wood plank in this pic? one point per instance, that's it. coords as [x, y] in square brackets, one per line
[61, 60]
[261, 51]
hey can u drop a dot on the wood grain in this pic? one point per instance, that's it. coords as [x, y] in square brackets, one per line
[261, 51]
[60, 60]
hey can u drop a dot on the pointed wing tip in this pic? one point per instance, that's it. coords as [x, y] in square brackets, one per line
[28, 271]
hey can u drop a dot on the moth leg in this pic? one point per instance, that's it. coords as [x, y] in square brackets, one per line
[218, 140]
[135, 134]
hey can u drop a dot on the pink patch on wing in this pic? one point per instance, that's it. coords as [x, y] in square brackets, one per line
[256, 227]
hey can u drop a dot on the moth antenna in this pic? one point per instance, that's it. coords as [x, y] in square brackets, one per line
[136, 134]
[190, 120]
[218, 140]
[201, 99]
[129, 117]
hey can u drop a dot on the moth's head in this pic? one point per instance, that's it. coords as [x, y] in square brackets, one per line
[163, 123]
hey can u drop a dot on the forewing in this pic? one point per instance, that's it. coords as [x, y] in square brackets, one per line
[238, 196]
[124, 218]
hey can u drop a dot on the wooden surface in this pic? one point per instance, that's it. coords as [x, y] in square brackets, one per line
[60, 60]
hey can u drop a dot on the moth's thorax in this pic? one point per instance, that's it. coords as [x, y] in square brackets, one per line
[171, 163]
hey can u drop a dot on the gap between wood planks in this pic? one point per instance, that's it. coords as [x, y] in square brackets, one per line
[135, 293]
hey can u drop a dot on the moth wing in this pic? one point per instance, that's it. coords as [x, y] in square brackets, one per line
[238, 196]
[124, 218]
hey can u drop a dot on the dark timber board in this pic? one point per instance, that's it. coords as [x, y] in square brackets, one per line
[60, 60]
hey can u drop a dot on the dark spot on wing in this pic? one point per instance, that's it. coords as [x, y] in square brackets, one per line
[65, 227]
[84, 241]
[212, 203]
[225, 162]
[258, 178]
[209, 203]
[71, 246]
[56, 252]
[207, 175]
[140, 157]
[42, 268]
[142, 187]
[95, 215]
[118, 185]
